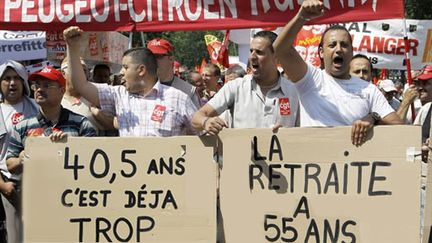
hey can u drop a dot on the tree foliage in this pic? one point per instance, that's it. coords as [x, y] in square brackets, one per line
[418, 9]
[190, 47]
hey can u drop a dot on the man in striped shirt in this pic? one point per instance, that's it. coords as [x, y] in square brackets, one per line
[52, 121]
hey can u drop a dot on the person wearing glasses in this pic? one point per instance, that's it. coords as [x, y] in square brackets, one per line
[52, 120]
[164, 53]
[15, 106]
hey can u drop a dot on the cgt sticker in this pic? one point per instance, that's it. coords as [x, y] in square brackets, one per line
[284, 107]
[158, 113]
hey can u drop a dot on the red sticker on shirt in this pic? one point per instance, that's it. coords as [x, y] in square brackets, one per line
[284, 107]
[17, 117]
[158, 113]
[35, 132]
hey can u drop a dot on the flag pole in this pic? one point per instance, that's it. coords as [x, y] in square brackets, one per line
[408, 65]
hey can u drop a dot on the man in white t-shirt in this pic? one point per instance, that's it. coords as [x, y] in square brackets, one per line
[331, 97]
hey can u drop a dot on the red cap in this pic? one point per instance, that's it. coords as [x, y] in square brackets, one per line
[160, 46]
[49, 73]
[426, 74]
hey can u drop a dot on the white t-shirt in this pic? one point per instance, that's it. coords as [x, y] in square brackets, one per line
[394, 103]
[422, 113]
[328, 101]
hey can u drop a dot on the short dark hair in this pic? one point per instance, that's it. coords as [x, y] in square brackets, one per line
[333, 27]
[142, 55]
[189, 75]
[269, 35]
[216, 70]
[359, 55]
[237, 70]
[101, 66]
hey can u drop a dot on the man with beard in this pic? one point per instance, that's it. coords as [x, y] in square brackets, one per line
[52, 121]
[331, 97]
[262, 99]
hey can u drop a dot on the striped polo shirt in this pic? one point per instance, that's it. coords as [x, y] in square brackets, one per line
[38, 126]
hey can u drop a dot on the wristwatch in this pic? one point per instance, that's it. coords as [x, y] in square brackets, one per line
[376, 117]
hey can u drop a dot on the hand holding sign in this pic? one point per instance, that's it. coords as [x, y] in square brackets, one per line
[214, 125]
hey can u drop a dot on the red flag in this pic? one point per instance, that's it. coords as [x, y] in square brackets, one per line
[199, 68]
[223, 56]
[383, 74]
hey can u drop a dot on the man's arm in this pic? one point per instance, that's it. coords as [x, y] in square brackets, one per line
[361, 128]
[391, 119]
[408, 98]
[285, 52]
[73, 38]
[15, 164]
[207, 119]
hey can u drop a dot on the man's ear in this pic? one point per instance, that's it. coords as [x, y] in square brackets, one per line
[320, 52]
[142, 70]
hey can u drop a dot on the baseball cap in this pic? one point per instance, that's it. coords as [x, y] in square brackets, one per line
[160, 46]
[427, 73]
[49, 73]
[387, 85]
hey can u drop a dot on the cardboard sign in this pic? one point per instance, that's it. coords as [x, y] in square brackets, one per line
[313, 185]
[120, 190]
[107, 47]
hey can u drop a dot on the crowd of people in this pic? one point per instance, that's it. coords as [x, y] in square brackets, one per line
[150, 98]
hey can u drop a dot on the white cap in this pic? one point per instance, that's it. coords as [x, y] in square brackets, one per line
[387, 85]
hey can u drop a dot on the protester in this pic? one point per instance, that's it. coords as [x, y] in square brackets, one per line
[51, 120]
[101, 74]
[263, 99]
[15, 107]
[234, 72]
[72, 100]
[164, 53]
[144, 106]
[388, 89]
[195, 79]
[361, 67]
[211, 75]
[410, 98]
[423, 117]
[331, 97]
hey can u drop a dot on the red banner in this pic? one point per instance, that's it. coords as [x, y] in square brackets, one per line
[171, 15]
